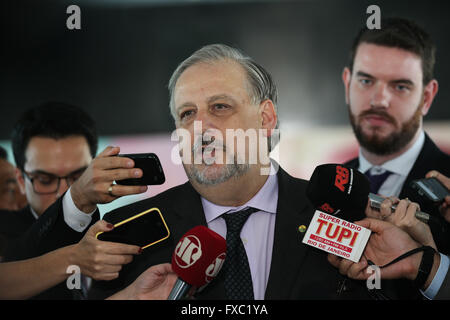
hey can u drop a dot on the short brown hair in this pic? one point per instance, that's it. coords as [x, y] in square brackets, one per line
[403, 34]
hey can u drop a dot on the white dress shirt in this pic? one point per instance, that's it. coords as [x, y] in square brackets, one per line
[257, 233]
[400, 168]
[75, 218]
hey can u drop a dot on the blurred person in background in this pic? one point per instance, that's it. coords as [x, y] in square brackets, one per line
[10, 196]
[53, 144]
[389, 88]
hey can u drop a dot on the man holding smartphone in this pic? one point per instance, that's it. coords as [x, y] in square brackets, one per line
[389, 88]
[53, 145]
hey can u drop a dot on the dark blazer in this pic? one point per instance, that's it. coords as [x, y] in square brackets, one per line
[28, 238]
[15, 223]
[430, 158]
[297, 271]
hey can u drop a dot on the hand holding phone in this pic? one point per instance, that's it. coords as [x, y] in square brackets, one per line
[96, 184]
[150, 165]
[432, 188]
[143, 229]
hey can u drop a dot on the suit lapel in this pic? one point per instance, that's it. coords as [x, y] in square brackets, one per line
[188, 212]
[423, 164]
[288, 254]
[293, 210]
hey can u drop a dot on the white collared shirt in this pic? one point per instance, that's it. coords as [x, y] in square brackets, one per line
[257, 233]
[400, 168]
[74, 218]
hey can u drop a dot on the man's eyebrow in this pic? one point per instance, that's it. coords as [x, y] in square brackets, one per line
[220, 97]
[363, 74]
[403, 81]
[397, 81]
[209, 100]
[185, 105]
[52, 174]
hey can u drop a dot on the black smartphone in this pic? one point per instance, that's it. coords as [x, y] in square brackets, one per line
[151, 167]
[432, 188]
[143, 229]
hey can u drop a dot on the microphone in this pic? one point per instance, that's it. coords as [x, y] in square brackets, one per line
[334, 188]
[375, 202]
[197, 259]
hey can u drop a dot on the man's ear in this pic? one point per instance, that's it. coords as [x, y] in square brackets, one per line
[346, 78]
[268, 116]
[20, 180]
[429, 92]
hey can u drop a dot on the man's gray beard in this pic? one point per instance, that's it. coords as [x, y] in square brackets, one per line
[232, 168]
[222, 174]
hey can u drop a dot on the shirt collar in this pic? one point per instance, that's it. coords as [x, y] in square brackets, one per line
[33, 213]
[265, 199]
[401, 165]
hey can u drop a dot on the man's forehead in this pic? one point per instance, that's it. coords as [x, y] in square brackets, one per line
[388, 62]
[219, 78]
[57, 155]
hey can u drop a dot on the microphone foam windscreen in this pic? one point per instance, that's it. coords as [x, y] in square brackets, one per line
[199, 256]
[334, 187]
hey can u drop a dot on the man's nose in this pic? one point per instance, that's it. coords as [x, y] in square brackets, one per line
[207, 123]
[63, 187]
[381, 97]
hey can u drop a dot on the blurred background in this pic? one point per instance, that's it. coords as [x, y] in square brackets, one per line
[118, 65]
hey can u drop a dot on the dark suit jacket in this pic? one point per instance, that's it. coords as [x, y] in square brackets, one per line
[297, 271]
[15, 223]
[28, 238]
[430, 158]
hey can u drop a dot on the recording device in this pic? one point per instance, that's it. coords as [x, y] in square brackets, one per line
[375, 202]
[143, 229]
[197, 259]
[334, 188]
[150, 165]
[432, 188]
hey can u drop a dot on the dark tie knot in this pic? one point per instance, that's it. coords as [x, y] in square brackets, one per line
[236, 220]
[376, 180]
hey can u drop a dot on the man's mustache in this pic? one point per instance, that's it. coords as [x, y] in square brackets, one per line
[207, 142]
[378, 113]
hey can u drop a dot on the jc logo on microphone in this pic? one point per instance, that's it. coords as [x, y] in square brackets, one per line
[188, 251]
[214, 268]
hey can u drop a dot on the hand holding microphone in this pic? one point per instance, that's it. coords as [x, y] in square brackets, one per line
[404, 217]
[197, 259]
[154, 283]
[338, 190]
[386, 244]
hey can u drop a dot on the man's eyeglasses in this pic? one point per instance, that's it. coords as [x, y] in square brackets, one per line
[48, 183]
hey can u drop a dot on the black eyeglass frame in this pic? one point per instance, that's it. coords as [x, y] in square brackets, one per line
[29, 176]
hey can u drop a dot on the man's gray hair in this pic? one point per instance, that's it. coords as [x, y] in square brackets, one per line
[261, 84]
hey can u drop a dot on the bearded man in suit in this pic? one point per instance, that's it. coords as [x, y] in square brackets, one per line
[389, 88]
